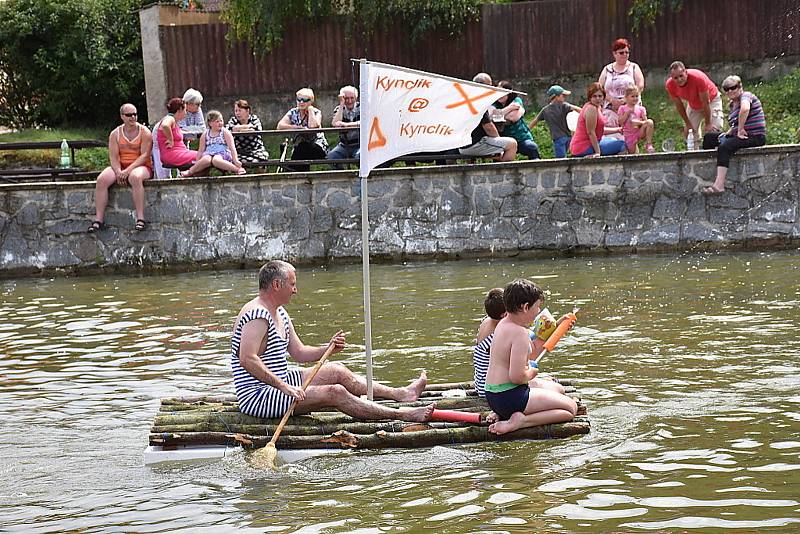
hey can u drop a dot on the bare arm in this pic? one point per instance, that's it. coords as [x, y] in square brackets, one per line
[705, 101]
[491, 129]
[201, 146]
[113, 153]
[285, 123]
[518, 370]
[303, 353]
[514, 112]
[744, 111]
[638, 78]
[591, 123]
[314, 117]
[166, 128]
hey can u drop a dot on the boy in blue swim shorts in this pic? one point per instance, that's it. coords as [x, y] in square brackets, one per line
[508, 393]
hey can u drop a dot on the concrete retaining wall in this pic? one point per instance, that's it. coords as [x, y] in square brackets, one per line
[624, 203]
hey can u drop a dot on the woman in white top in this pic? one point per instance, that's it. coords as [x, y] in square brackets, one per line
[616, 76]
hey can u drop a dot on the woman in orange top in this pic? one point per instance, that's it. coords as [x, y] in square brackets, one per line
[588, 139]
[129, 148]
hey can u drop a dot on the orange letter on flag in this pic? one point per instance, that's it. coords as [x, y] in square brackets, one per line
[376, 137]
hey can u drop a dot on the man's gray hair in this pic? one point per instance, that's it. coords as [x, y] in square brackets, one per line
[271, 271]
[192, 96]
[677, 65]
[348, 89]
[483, 78]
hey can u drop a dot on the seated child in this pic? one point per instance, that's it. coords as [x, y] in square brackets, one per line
[496, 310]
[635, 124]
[514, 402]
[555, 115]
[216, 149]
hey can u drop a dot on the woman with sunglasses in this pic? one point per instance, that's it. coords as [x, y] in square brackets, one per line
[620, 74]
[748, 127]
[588, 139]
[303, 117]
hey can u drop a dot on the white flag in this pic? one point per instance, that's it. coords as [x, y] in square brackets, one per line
[406, 111]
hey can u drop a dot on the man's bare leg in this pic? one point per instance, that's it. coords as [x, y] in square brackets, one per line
[336, 373]
[337, 396]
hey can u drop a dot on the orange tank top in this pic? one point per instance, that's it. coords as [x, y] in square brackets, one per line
[130, 149]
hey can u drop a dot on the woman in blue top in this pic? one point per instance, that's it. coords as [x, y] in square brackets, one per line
[748, 127]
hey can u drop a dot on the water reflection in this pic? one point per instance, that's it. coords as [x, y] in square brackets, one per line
[687, 364]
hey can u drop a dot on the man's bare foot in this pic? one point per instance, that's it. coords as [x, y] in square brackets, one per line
[513, 423]
[414, 390]
[492, 418]
[418, 415]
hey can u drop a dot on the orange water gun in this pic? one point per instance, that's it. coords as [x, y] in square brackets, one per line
[559, 332]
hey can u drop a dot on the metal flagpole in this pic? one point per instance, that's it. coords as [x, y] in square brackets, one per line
[364, 105]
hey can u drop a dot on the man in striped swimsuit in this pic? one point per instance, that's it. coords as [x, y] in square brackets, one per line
[266, 386]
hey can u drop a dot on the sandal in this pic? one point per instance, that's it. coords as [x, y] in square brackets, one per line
[96, 226]
[650, 149]
[141, 224]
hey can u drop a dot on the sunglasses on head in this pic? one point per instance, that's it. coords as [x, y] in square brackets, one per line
[301, 99]
[134, 114]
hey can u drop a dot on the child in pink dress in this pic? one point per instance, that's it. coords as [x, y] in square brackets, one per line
[635, 124]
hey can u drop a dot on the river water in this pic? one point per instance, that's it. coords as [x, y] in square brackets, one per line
[688, 365]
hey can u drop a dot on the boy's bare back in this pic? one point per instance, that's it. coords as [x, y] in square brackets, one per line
[511, 348]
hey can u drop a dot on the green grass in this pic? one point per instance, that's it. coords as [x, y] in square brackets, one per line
[89, 159]
[780, 97]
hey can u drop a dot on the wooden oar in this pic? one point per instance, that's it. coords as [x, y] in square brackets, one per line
[265, 457]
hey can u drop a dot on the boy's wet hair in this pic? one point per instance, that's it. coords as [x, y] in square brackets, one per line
[494, 305]
[521, 292]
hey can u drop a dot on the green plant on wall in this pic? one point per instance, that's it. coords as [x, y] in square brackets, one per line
[262, 23]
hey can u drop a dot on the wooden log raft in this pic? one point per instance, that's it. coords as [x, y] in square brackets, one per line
[216, 420]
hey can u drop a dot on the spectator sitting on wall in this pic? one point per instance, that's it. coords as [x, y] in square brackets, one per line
[129, 154]
[303, 117]
[509, 107]
[347, 114]
[216, 149]
[588, 139]
[703, 101]
[171, 148]
[486, 140]
[192, 124]
[249, 147]
[748, 129]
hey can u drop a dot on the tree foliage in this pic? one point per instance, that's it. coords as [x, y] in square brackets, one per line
[262, 23]
[644, 12]
[68, 62]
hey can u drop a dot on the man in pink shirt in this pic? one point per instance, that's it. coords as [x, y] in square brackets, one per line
[703, 101]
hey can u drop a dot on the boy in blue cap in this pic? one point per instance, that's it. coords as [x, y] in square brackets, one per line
[555, 115]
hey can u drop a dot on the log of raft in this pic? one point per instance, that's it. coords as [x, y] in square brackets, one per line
[216, 420]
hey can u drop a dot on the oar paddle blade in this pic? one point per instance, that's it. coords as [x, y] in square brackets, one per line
[264, 458]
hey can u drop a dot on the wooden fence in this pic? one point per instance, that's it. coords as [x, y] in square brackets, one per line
[519, 40]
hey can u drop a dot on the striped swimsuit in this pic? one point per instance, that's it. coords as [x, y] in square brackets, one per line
[256, 398]
[480, 359]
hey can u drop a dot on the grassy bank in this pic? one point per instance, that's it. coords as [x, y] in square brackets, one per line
[780, 97]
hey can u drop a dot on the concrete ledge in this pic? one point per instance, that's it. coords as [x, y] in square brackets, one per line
[568, 206]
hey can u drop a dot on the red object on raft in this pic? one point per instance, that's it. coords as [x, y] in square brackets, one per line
[454, 416]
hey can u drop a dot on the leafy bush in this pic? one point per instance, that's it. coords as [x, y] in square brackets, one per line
[69, 62]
